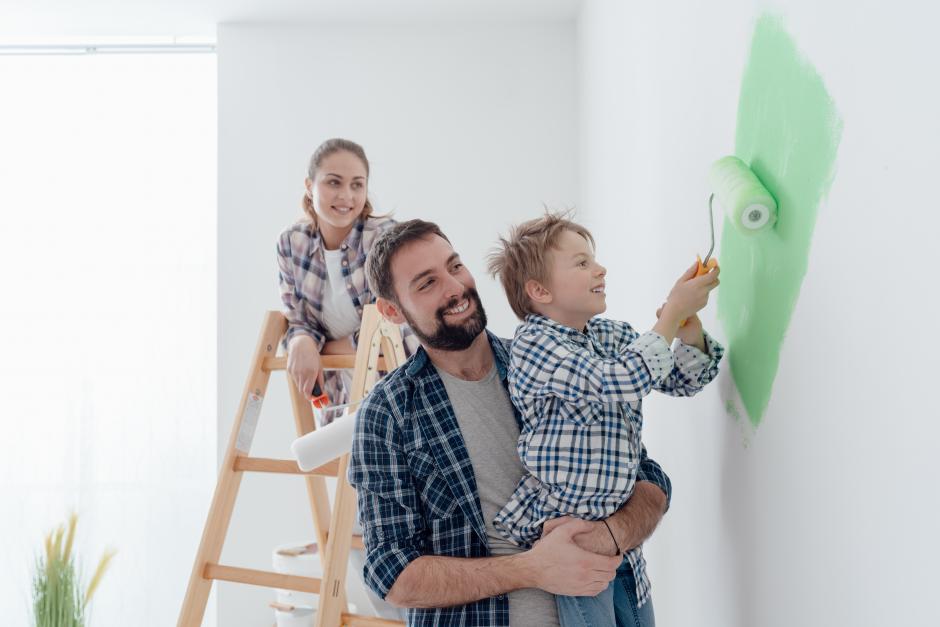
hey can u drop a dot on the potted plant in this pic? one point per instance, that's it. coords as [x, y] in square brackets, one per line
[58, 600]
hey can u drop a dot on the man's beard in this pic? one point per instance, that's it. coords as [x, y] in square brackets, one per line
[452, 337]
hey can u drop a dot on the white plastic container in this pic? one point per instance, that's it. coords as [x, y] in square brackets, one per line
[297, 558]
[297, 617]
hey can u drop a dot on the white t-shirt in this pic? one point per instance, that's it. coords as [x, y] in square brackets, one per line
[340, 317]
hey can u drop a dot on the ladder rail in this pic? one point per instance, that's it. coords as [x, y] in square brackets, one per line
[333, 525]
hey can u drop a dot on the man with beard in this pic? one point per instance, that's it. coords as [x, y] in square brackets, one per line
[434, 459]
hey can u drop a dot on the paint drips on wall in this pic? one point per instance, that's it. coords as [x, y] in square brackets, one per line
[788, 131]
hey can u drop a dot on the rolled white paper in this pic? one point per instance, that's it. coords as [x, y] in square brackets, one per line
[325, 444]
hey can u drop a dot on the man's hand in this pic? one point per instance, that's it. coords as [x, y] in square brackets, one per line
[559, 565]
[555, 564]
[595, 539]
[632, 524]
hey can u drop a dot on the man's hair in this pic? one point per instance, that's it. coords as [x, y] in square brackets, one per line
[384, 248]
[523, 256]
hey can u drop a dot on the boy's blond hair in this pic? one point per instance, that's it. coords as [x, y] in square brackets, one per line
[524, 256]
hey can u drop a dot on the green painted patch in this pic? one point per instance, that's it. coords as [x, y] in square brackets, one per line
[788, 131]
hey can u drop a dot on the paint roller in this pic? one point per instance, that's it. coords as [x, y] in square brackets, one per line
[325, 444]
[750, 207]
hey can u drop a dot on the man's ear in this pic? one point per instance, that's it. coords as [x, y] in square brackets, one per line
[389, 310]
[537, 292]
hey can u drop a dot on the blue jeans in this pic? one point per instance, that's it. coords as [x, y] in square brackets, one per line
[615, 606]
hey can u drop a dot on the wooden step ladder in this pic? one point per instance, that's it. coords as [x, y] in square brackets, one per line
[332, 531]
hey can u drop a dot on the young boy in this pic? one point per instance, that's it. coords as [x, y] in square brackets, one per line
[578, 380]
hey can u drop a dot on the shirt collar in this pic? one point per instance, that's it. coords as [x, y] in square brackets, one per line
[350, 243]
[542, 323]
[421, 361]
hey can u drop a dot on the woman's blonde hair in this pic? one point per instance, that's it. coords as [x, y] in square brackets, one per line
[324, 150]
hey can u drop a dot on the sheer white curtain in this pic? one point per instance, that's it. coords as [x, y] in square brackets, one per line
[107, 321]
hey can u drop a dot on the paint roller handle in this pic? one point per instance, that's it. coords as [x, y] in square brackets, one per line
[318, 398]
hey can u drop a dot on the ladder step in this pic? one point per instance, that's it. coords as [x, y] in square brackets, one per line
[284, 466]
[261, 578]
[356, 620]
[329, 362]
[356, 542]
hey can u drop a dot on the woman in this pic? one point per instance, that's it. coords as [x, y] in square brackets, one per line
[321, 260]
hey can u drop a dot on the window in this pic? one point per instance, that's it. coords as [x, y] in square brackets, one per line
[108, 321]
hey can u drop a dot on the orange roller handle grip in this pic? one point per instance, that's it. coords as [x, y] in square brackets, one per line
[704, 269]
[319, 398]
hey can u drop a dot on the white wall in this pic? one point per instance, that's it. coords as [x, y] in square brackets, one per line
[828, 513]
[472, 126]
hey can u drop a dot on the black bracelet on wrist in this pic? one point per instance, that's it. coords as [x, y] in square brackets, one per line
[619, 552]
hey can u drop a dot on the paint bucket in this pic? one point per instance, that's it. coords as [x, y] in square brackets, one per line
[297, 558]
[295, 616]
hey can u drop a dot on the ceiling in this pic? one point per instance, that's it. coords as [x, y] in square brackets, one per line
[47, 20]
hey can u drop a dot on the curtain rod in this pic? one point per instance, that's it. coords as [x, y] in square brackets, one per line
[73, 49]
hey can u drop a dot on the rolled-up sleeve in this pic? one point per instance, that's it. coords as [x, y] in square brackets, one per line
[298, 323]
[651, 471]
[694, 369]
[389, 509]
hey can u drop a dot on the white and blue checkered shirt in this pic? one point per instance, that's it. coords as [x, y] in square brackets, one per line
[580, 398]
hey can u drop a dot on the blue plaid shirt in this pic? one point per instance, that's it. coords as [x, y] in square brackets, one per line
[580, 398]
[416, 487]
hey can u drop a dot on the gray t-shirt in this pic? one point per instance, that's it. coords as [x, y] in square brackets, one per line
[485, 415]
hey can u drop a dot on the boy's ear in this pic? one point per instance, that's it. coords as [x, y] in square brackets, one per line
[537, 292]
[389, 310]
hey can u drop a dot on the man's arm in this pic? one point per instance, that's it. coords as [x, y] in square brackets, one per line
[389, 506]
[397, 566]
[557, 565]
[631, 525]
[635, 521]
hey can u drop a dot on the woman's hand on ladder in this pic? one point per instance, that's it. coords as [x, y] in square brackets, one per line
[303, 364]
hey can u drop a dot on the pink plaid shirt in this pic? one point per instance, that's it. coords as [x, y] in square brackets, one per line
[303, 277]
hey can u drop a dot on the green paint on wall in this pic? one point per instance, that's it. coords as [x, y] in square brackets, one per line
[788, 131]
